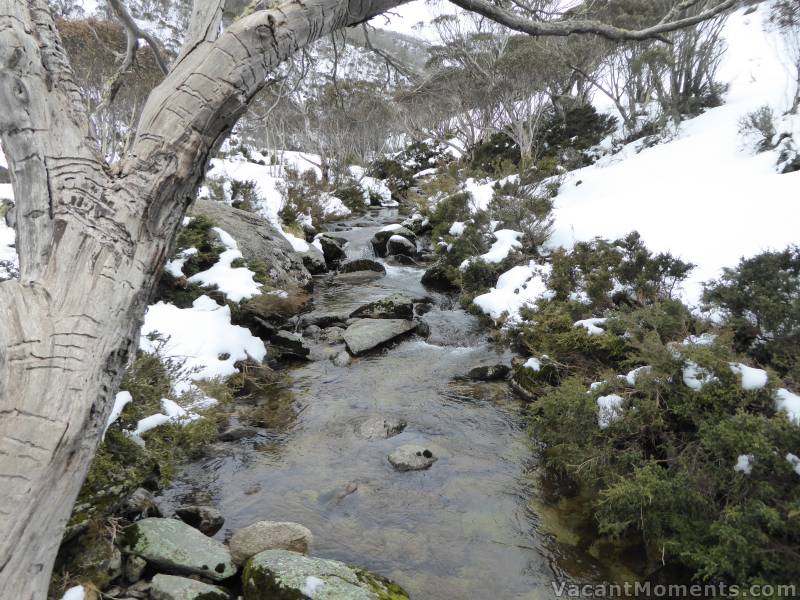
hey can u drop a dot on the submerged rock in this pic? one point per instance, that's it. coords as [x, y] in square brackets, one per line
[170, 587]
[381, 427]
[177, 547]
[489, 372]
[362, 264]
[342, 359]
[412, 457]
[269, 535]
[367, 334]
[282, 575]
[205, 519]
[396, 306]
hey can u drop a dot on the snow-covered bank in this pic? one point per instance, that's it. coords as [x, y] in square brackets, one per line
[702, 196]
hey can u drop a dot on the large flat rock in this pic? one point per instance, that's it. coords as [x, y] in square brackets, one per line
[177, 547]
[284, 575]
[367, 334]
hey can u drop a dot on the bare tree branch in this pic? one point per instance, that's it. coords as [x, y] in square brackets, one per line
[569, 27]
[133, 30]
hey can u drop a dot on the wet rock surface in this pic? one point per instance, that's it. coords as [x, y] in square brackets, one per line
[412, 457]
[367, 334]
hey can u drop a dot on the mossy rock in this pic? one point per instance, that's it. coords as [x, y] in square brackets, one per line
[285, 575]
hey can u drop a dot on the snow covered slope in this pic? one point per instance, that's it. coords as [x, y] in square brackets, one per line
[702, 196]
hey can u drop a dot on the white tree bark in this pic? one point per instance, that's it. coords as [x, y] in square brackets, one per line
[93, 238]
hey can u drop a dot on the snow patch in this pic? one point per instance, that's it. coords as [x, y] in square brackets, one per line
[610, 410]
[788, 403]
[202, 336]
[592, 326]
[752, 379]
[744, 464]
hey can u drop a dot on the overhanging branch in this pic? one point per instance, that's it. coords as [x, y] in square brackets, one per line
[570, 27]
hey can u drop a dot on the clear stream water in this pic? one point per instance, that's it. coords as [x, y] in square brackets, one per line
[466, 528]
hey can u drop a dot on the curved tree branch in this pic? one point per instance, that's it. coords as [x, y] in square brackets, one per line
[133, 30]
[569, 26]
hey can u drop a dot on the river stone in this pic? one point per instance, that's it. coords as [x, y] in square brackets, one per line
[367, 334]
[381, 427]
[489, 372]
[290, 344]
[170, 587]
[140, 504]
[314, 260]
[269, 535]
[237, 432]
[435, 277]
[282, 575]
[257, 238]
[342, 359]
[411, 457]
[396, 306]
[400, 245]
[206, 519]
[362, 264]
[175, 546]
[380, 239]
[332, 250]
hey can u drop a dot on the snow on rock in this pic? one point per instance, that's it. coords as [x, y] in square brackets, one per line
[482, 193]
[793, 460]
[695, 377]
[744, 464]
[121, 400]
[752, 379]
[518, 287]
[236, 283]
[610, 409]
[592, 326]
[202, 336]
[788, 403]
[700, 196]
[74, 593]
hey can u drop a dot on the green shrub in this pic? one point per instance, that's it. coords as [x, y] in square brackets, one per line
[478, 277]
[522, 208]
[351, 194]
[624, 271]
[199, 234]
[495, 156]
[244, 195]
[760, 299]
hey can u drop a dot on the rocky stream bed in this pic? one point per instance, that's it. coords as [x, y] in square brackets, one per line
[395, 443]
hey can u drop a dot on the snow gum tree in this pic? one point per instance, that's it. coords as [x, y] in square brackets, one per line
[93, 236]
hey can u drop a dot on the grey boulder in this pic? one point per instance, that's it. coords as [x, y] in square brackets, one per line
[366, 334]
[170, 587]
[412, 457]
[177, 547]
[205, 519]
[269, 535]
[283, 575]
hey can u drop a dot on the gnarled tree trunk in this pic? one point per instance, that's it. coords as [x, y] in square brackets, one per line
[93, 238]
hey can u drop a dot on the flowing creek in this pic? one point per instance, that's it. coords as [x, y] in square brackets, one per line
[466, 528]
